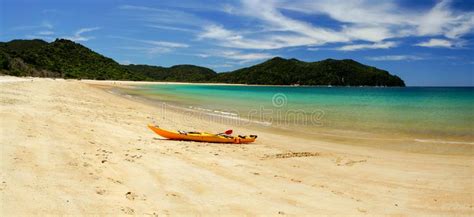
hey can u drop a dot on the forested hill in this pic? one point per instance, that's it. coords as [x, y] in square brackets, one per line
[183, 73]
[66, 59]
[61, 58]
[279, 71]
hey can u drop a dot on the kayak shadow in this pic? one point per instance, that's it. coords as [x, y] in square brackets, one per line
[194, 142]
[162, 139]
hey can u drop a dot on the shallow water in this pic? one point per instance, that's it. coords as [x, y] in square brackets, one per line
[424, 114]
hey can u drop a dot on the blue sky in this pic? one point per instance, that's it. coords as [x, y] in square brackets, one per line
[426, 42]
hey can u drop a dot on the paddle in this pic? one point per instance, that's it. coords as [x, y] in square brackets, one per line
[227, 132]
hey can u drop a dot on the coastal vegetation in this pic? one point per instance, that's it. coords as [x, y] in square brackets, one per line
[60, 58]
[279, 71]
[66, 59]
[183, 73]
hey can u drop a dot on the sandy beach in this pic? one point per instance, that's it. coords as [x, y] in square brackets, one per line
[73, 147]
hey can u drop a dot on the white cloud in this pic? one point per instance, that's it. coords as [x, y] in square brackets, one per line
[379, 45]
[432, 23]
[360, 20]
[47, 24]
[158, 50]
[84, 30]
[232, 39]
[134, 7]
[437, 43]
[152, 47]
[43, 25]
[46, 33]
[242, 57]
[227, 38]
[218, 32]
[464, 27]
[362, 12]
[147, 50]
[442, 20]
[155, 43]
[367, 33]
[390, 18]
[369, 22]
[228, 8]
[268, 13]
[286, 32]
[166, 44]
[202, 55]
[395, 58]
[178, 19]
[167, 27]
[78, 34]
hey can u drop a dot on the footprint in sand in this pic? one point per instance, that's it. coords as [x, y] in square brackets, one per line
[100, 191]
[131, 196]
[340, 162]
[154, 214]
[296, 180]
[3, 185]
[132, 157]
[103, 155]
[352, 162]
[172, 194]
[128, 210]
[115, 181]
[72, 163]
[292, 155]
[337, 192]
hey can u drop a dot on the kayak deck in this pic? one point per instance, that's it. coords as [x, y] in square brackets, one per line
[201, 136]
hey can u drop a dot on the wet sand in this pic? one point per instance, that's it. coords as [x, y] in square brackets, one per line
[75, 148]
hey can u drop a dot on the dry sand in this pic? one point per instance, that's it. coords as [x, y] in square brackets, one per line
[71, 148]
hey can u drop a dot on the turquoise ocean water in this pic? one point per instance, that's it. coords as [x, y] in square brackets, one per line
[443, 114]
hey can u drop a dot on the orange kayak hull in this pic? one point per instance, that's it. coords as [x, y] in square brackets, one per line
[201, 136]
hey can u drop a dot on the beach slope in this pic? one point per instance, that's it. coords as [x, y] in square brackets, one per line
[76, 148]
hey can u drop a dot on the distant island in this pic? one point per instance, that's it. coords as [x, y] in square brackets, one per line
[66, 59]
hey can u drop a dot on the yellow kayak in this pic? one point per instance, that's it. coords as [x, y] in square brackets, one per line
[201, 136]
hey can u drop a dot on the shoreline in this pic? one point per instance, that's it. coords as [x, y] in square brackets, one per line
[120, 82]
[72, 148]
[407, 142]
[125, 83]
